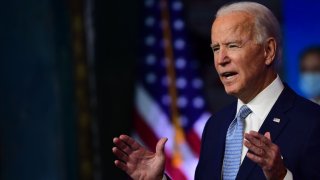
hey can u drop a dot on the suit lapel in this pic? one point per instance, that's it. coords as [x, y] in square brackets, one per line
[274, 123]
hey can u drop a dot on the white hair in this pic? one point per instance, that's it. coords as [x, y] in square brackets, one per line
[266, 24]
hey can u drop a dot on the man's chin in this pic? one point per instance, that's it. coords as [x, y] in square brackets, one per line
[231, 91]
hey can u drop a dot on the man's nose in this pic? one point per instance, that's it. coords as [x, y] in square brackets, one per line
[222, 57]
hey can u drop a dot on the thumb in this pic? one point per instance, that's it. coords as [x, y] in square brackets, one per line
[160, 146]
[267, 135]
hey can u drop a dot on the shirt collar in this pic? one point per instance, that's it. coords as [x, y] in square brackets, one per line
[263, 102]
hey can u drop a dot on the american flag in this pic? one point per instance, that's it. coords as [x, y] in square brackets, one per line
[168, 94]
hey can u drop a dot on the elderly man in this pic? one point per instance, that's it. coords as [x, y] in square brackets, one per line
[269, 133]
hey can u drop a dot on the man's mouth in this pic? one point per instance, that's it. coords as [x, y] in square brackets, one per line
[228, 75]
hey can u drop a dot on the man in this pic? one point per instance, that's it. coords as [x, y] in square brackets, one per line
[310, 73]
[269, 133]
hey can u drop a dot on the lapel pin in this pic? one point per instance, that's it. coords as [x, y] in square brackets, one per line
[277, 120]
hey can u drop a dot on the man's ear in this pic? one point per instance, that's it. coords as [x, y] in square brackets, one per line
[270, 50]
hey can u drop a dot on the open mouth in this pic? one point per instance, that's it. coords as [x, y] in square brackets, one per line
[228, 75]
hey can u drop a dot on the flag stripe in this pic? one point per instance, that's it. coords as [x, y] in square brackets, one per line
[144, 131]
[194, 141]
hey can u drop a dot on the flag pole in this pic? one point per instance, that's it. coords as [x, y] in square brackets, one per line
[169, 58]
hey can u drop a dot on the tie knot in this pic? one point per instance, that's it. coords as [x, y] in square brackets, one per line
[244, 112]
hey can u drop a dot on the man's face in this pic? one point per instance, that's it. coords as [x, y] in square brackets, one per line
[311, 63]
[310, 76]
[238, 59]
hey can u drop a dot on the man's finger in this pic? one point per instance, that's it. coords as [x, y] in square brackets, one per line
[256, 150]
[121, 165]
[259, 136]
[254, 140]
[267, 135]
[260, 161]
[120, 154]
[160, 146]
[130, 141]
[122, 146]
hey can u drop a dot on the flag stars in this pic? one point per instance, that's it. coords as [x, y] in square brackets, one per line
[181, 83]
[151, 59]
[179, 44]
[177, 5]
[197, 83]
[181, 63]
[198, 102]
[150, 40]
[182, 102]
[149, 3]
[151, 78]
[149, 21]
[178, 24]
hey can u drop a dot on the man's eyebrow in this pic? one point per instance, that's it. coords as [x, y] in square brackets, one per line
[227, 42]
[232, 41]
[214, 44]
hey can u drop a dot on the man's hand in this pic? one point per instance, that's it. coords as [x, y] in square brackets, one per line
[266, 154]
[137, 161]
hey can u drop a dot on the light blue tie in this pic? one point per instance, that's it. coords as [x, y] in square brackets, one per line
[233, 148]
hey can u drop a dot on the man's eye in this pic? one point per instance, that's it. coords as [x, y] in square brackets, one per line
[215, 49]
[233, 46]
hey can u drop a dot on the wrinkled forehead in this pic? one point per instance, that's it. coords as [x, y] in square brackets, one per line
[235, 25]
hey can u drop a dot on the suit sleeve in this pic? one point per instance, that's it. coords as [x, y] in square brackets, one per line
[203, 138]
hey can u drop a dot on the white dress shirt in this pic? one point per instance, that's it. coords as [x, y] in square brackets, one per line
[260, 107]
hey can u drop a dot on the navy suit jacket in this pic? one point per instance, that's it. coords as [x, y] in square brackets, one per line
[297, 134]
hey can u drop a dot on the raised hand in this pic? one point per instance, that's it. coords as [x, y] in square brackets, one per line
[137, 161]
[266, 154]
